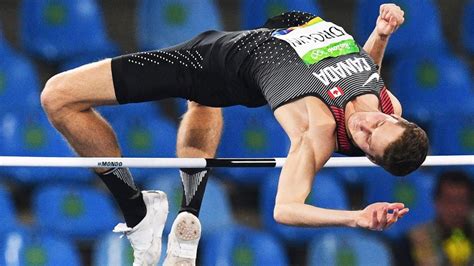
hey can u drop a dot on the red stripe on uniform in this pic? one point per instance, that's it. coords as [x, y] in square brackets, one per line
[386, 102]
[342, 139]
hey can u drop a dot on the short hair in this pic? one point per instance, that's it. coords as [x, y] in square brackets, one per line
[453, 177]
[407, 153]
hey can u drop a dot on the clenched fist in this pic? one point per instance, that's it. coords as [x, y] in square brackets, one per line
[390, 18]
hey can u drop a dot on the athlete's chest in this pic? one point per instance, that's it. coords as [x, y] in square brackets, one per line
[320, 114]
[363, 103]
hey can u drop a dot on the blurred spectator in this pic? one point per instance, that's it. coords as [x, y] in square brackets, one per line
[449, 238]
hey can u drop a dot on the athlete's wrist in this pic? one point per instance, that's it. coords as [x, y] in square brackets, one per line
[382, 37]
[354, 217]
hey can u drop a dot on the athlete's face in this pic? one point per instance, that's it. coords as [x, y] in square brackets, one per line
[372, 132]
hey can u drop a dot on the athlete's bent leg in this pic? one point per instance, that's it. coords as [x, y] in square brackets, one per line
[68, 98]
[198, 136]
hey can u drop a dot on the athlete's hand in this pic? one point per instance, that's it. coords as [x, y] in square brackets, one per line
[390, 18]
[381, 215]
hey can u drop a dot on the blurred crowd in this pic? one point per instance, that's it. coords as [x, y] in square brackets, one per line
[63, 216]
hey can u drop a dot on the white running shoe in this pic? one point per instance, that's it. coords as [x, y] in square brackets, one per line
[183, 241]
[145, 237]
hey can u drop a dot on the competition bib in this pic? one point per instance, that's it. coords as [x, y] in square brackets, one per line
[318, 39]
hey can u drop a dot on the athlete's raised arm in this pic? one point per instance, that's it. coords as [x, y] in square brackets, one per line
[388, 21]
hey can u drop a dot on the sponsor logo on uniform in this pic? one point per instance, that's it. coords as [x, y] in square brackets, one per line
[335, 92]
[342, 70]
[372, 77]
[319, 36]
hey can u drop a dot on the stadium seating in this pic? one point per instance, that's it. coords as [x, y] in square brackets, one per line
[351, 175]
[27, 132]
[424, 82]
[76, 211]
[414, 190]
[1, 34]
[327, 192]
[453, 132]
[467, 28]
[19, 88]
[216, 213]
[242, 246]
[351, 248]
[3, 42]
[110, 249]
[251, 133]
[21, 248]
[256, 12]
[168, 22]
[19, 85]
[420, 31]
[8, 218]
[142, 132]
[64, 29]
[435, 91]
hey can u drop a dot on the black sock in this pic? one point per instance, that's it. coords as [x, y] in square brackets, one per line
[128, 196]
[194, 184]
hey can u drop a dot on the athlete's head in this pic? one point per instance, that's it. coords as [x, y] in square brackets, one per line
[390, 141]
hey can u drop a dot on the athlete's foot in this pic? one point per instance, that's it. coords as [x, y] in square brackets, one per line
[145, 237]
[183, 241]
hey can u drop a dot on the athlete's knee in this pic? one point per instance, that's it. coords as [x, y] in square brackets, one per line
[197, 107]
[204, 116]
[57, 95]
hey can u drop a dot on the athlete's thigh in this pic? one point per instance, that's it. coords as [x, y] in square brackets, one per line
[186, 70]
[151, 76]
[88, 85]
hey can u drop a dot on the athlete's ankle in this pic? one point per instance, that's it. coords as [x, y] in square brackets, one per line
[194, 184]
[129, 198]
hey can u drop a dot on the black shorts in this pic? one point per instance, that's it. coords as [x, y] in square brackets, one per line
[196, 70]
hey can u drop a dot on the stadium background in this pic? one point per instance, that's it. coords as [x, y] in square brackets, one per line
[52, 215]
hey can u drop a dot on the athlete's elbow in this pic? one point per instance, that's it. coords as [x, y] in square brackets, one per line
[281, 214]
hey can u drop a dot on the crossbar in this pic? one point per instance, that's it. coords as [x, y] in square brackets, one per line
[106, 162]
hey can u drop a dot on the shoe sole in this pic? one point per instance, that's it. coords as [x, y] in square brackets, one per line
[188, 229]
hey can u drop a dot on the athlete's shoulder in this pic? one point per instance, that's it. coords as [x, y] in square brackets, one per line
[288, 19]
